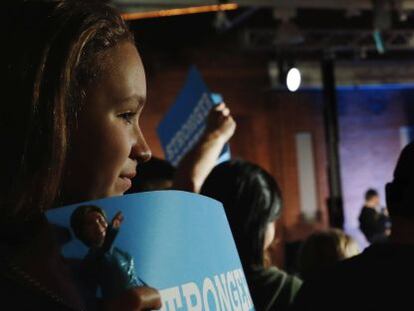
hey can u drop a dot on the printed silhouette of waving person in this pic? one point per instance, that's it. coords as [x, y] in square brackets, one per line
[105, 266]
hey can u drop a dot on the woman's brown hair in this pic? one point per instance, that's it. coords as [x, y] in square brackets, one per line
[51, 55]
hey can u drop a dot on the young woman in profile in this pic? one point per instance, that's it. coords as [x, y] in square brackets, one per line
[72, 93]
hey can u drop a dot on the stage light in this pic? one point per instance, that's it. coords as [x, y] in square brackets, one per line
[273, 71]
[293, 79]
[382, 22]
[221, 22]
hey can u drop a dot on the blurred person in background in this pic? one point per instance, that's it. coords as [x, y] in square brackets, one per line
[322, 250]
[252, 202]
[373, 220]
[189, 175]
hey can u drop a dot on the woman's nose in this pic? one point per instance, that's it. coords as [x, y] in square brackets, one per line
[140, 150]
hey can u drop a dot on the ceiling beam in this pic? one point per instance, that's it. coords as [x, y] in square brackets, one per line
[305, 4]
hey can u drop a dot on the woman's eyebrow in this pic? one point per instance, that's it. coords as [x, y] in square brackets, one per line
[134, 98]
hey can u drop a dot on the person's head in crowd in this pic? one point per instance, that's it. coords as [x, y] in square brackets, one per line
[324, 249]
[75, 86]
[372, 198]
[156, 174]
[89, 224]
[252, 202]
[399, 197]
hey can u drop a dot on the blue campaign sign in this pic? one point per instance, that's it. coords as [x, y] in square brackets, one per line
[185, 121]
[177, 242]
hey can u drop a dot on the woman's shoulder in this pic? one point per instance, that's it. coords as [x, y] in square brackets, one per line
[283, 279]
[273, 287]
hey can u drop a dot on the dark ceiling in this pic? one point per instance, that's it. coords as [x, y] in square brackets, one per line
[256, 31]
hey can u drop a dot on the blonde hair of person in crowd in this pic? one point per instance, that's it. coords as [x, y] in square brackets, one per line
[323, 249]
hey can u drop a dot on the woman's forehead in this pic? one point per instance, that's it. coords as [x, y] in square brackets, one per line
[122, 73]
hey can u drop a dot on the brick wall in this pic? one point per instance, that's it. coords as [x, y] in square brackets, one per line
[266, 123]
[370, 121]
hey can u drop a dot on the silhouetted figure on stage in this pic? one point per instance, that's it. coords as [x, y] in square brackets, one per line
[373, 220]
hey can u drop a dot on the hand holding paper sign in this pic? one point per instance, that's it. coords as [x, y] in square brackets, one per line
[220, 124]
[185, 122]
[194, 168]
[135, 299]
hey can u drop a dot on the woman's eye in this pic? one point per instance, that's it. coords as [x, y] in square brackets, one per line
[128, 116]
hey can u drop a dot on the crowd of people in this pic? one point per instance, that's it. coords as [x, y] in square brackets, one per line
[73, 92]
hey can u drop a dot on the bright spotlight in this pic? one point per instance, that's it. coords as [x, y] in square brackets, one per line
[293, 79]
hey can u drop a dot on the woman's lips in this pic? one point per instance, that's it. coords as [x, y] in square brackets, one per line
[126, 183]
[126, 180]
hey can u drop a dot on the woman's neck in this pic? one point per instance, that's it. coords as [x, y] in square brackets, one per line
[40, 259]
